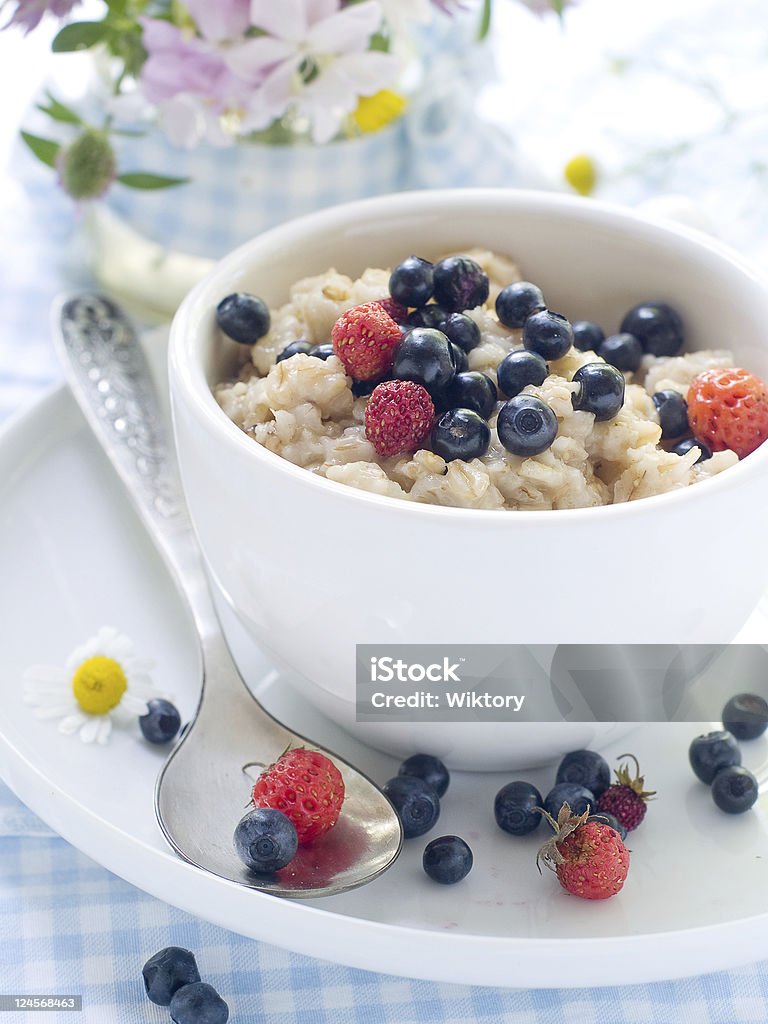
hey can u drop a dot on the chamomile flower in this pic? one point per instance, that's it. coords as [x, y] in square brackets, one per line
[103, 682]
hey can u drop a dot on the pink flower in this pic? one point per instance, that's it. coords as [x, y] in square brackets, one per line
[29, 13]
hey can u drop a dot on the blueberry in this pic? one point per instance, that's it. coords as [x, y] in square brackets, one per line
[683, 447]
[428, 768]
[410, 283]
[460, 283]
[515, 808]
[578, 798]
[460, 361]
[586, 768]
[672, 409]
[711, 753]
[516, 302]
[460, 434]
[518, 369]
[322, 351]
[161, 722]
[746, 716]
[198, 1003]
[461, 330]
[428, 316]
[526, 426]
[608, 819]
[601, 390]
[547, 333]
[424, 356]
[167, 971]
[447, 860]
[587, 336]
[657, 326]
[362, 388]
[243, 317]
[295, 348]
[265, 840]
[472, 390]
[734, 790]
[623, 351]
[416, 802]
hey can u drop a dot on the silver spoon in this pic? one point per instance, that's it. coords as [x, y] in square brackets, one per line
[202, 791]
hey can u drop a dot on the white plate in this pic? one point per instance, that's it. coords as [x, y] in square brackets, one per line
[74, 558]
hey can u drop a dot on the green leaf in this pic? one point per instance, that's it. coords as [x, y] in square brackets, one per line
[140, 179]
[485, 20]
[58, 111]
[80, 35]
[45, 150]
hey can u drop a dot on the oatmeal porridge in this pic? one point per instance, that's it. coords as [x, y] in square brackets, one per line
[453, 384]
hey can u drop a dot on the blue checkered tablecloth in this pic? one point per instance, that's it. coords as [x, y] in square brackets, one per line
[67, 925]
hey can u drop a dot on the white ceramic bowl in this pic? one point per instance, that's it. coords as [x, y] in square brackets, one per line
[313, 567]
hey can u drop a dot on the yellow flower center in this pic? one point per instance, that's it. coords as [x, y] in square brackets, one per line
[374, 112]
[581, 174]
[99, 685]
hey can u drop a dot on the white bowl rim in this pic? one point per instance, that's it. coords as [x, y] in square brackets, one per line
[189, 372]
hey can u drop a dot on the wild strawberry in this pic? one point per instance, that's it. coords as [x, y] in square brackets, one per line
[398, 313]
[365, 339]
[588, 856]
[398, 417]
[307, 787]
[626, 799]
[729, 409]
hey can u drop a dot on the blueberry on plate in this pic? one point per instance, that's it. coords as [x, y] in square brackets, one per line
[608, 819]
[460, 361]
[265, 840]
[578, 798]
[526, 426]
[198, 1003]
[516, 302]
[601, 390]
[518, 369]
[424, 356]
[586, 768]
[623, 351]
[243, 317]
[363, 388]
[515, 808]
[460, 283]
[587, 335]
[657, 326]
[322, 351]
[460, 434]
[710, 753]
[547, 333]
[410, 283]
[472, 390]
[462, 330]
[428, 768]
[745, 716]
[161, 722]
[428, 316]
[167, 971]
[683, 447]
[416, 802]
[734, 790]
[447, 860]
[295, 348]
[672, 410]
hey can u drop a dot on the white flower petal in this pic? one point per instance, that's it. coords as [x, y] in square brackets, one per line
[54, 711]
[121, 715]
[251, 59]
[319, 9]
[91, 729]
[347, 30]
[182, 119]
[72, 723]
[105, 730]
[367, 72]
[134, 704]
[46, 673]
[286, 19]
